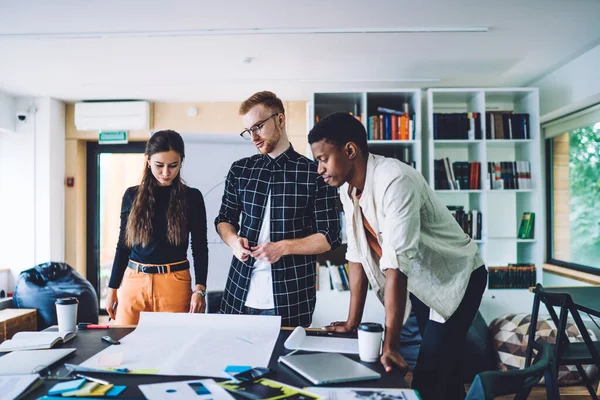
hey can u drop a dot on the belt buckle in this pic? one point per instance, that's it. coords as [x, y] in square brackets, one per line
[144, 269]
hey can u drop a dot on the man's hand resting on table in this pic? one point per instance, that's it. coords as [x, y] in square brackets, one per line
[340, 327]
[392, 359]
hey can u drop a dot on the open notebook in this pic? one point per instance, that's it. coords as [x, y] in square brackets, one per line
[35, 340]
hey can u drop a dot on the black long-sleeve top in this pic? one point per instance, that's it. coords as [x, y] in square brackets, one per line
[159, 250]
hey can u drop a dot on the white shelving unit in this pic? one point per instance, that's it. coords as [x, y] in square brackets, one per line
[502, 210]
[364, 104]
[333, 305]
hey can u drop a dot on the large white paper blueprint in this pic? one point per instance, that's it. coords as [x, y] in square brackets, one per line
[298, 340]
[196, 344]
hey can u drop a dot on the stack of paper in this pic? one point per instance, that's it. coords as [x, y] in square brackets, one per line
[185, 341]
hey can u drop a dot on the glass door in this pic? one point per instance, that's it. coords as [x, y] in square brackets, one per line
[111, 170]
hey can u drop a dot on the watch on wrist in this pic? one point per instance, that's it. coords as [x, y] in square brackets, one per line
[200, 291]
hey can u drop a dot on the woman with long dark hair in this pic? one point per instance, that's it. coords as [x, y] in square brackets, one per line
[158, 217]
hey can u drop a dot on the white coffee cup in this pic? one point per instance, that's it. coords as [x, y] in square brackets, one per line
[369, 341]
[66, 313]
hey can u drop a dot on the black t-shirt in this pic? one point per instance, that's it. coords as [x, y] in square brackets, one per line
[159, 250]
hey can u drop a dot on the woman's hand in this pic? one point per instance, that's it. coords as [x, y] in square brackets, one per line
[198, 303]
[111, 303]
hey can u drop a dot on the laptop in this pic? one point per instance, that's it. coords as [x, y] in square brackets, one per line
[322, 368]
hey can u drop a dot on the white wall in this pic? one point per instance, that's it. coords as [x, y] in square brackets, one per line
[31, 187]
[7, 112]
[49, 176]
[574, 86]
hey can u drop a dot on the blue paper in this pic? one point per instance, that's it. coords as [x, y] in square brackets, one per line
[67, 386]
[236, 369]
[115, 391]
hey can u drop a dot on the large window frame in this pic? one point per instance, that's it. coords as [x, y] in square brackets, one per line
[564, 124]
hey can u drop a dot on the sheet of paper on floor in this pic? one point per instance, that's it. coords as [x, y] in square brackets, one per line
[196, 344]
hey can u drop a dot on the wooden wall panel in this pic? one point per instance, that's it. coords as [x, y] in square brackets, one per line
[561, 195]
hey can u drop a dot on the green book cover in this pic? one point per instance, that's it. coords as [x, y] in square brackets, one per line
[525, 220]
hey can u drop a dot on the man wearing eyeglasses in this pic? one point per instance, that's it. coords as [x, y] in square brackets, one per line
[288, 215]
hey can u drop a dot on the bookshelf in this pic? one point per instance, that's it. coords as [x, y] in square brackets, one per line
[333, 305]
[365, 104]
[501, 209]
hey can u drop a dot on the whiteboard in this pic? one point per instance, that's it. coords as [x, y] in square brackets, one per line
[207, 162]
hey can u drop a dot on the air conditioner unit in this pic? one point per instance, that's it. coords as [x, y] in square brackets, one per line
[113, 115]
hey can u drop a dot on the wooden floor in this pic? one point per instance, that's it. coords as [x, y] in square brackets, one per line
[539, 392]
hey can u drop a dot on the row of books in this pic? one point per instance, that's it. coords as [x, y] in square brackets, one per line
[332, 277]
[470, 222]
[527, 227]
[512, 276]
[457, 126]
[509, 175]
[391, 125]
[463, 175]
[506, 125]
[467, 125]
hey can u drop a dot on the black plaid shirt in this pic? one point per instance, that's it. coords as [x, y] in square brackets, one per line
[301, 204]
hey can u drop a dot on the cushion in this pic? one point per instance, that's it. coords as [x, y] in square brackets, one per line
[510, 336]
[39, 287]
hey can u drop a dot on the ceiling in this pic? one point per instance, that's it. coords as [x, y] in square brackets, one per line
[160, 50]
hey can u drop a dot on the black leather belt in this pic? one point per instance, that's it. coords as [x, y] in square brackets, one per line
[158, 269]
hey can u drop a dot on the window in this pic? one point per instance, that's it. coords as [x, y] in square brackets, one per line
[573, 159]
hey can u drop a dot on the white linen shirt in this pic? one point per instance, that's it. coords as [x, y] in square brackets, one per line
[416, 232]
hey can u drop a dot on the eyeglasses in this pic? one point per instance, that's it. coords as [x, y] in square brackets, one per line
[255, 130]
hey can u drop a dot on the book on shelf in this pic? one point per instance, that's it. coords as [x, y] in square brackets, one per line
[509, 175]
[527, 227]
[332, 277]
[512, 276]
[470, 223]
[391, 124]
[503, 125]
[459, 175]
[457, 126]
[35, 340]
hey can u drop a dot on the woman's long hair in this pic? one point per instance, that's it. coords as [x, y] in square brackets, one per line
[139, 223]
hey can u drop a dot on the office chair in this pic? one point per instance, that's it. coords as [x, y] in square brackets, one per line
[564, 352]
[213, 301]
[490, 384]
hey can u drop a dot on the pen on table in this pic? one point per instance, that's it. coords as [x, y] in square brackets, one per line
[86, 325]
[89, 378]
